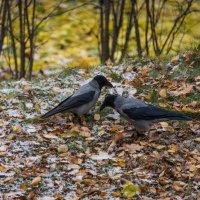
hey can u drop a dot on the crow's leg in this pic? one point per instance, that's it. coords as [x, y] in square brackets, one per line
[77, 118]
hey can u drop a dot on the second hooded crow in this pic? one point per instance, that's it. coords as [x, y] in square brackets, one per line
[83, 99]
[139, 113]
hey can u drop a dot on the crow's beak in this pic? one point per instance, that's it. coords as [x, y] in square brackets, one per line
[102, 106]
[109, 84]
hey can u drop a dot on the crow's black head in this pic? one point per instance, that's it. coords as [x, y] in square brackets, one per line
[108, 101]
[102, 81]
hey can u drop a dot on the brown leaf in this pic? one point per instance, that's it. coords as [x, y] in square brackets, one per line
[62, 149]
[133, 148]
[182, 90]
[197, 139]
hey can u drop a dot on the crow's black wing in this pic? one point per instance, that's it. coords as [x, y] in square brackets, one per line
[152, 113]
[76, 101]
[71, 102]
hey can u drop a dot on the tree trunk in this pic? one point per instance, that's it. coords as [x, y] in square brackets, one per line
[137, 31]
[22, 39]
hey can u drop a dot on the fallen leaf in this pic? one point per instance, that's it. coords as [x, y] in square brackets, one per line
[163, 93]
[175, 59]
[197, 139]
[121, 162]
[102, 132]
[50, 136]
[62, 149]
[130, 191]
[3, 168]
[17, 129]
[23, 187]
[36, 181]
[85, 132]
[133, 148]
[97, 117]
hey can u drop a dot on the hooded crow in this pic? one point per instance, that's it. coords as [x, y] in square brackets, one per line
[83, 99]
[139, 113]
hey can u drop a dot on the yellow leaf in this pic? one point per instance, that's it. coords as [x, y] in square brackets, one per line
[164, 124]
[121, 162]
[88, 181]
[36, 181]
[175, 59]
[3, 168]
[130, 191]
[163, 93]
[115, 128]
[97, 117]
[162, 105]
[102, 132]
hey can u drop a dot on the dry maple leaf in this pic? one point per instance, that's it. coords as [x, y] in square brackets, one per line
[133, 148]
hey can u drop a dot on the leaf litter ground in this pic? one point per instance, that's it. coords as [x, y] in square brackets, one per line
[97, 157]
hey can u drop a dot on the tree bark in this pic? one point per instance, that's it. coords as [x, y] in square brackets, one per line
[22, 39]
[4, 7]
[137, 30]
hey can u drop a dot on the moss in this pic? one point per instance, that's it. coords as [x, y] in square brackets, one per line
[116, 77]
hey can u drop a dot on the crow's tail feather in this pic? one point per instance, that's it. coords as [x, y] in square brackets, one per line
[178, 116]
[52, 112]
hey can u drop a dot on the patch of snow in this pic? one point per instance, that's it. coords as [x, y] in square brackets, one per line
[29, 105]
[13, 113]
[51, 159]
[102, 156]
[129, 76]
[30, 128]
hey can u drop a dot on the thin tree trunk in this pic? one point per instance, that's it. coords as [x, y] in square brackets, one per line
[4, 8]
[147, 30]
[137, 31]
[117, 24]
[22, 39]
[105, 49]
[152, 23]
[101, 27]
[128, 33]
[31, 35]
[12, 41]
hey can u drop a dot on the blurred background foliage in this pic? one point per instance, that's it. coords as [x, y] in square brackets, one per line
[69, 32]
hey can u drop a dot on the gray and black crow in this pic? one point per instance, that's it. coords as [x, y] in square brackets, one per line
[83, 99]
[139, 113]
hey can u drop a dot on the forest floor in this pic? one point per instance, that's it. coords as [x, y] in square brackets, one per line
[59, 158]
